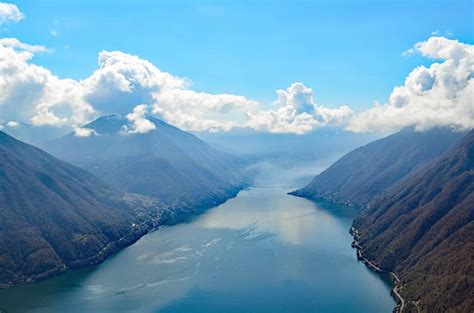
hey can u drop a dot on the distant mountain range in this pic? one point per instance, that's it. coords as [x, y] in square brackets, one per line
[54, 216]
[327, 143]
[417, 191]
[167, 163]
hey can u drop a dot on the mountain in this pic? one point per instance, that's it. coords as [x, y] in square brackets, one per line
[325, 143]
[422, 228]
[166, 163]
[371, 169]
[55, 216]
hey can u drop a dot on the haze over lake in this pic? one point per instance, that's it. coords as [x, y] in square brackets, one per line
[263, 251]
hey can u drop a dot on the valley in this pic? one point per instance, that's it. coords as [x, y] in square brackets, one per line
[210, 156]
[296, 250]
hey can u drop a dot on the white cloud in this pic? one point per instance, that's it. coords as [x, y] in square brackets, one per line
[438, 95]
[84, 132]
[200, 111]
[140, 124]
[31, 93]
[297, 113]
[195, 122]
[123, 80]
[12, 124]
[19, 46]
[10, 13]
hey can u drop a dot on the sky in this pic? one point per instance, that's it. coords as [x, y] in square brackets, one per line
[331, 60]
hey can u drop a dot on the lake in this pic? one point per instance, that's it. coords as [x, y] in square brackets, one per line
[263, 251]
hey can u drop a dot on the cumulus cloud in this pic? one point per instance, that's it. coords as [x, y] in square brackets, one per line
[84, 132]
[297, 113]
[10, 13]
[139, 123]
[200, 111]
[438, 95]
[32, 94]
[122, 81]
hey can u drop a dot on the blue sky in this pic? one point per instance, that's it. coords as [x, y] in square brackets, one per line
[348, 52]
[271, 66]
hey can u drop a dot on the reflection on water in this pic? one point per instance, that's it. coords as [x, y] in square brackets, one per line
[263, 251]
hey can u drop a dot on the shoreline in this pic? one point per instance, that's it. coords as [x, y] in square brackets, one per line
[401, 303]
[109, 249]
[164, 217]
[396, 282]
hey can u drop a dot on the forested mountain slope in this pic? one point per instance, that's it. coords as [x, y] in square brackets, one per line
[371, 169]
[166, 163]
[423, 229]
[54, 215]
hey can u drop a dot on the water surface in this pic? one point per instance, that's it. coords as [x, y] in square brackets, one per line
[263, 251]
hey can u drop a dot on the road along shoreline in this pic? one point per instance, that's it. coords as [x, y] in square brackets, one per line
[402, 303]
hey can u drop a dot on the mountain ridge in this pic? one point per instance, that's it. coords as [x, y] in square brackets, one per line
[422, 229]
[165, 163]
[357, 177]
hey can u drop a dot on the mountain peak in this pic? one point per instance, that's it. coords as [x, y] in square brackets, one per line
[114, 123]
[167, 163]
[108, 124]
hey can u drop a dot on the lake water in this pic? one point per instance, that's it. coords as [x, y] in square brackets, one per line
[263, 251]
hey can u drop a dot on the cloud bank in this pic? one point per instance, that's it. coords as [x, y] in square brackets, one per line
[438, 95]
[32, 94]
